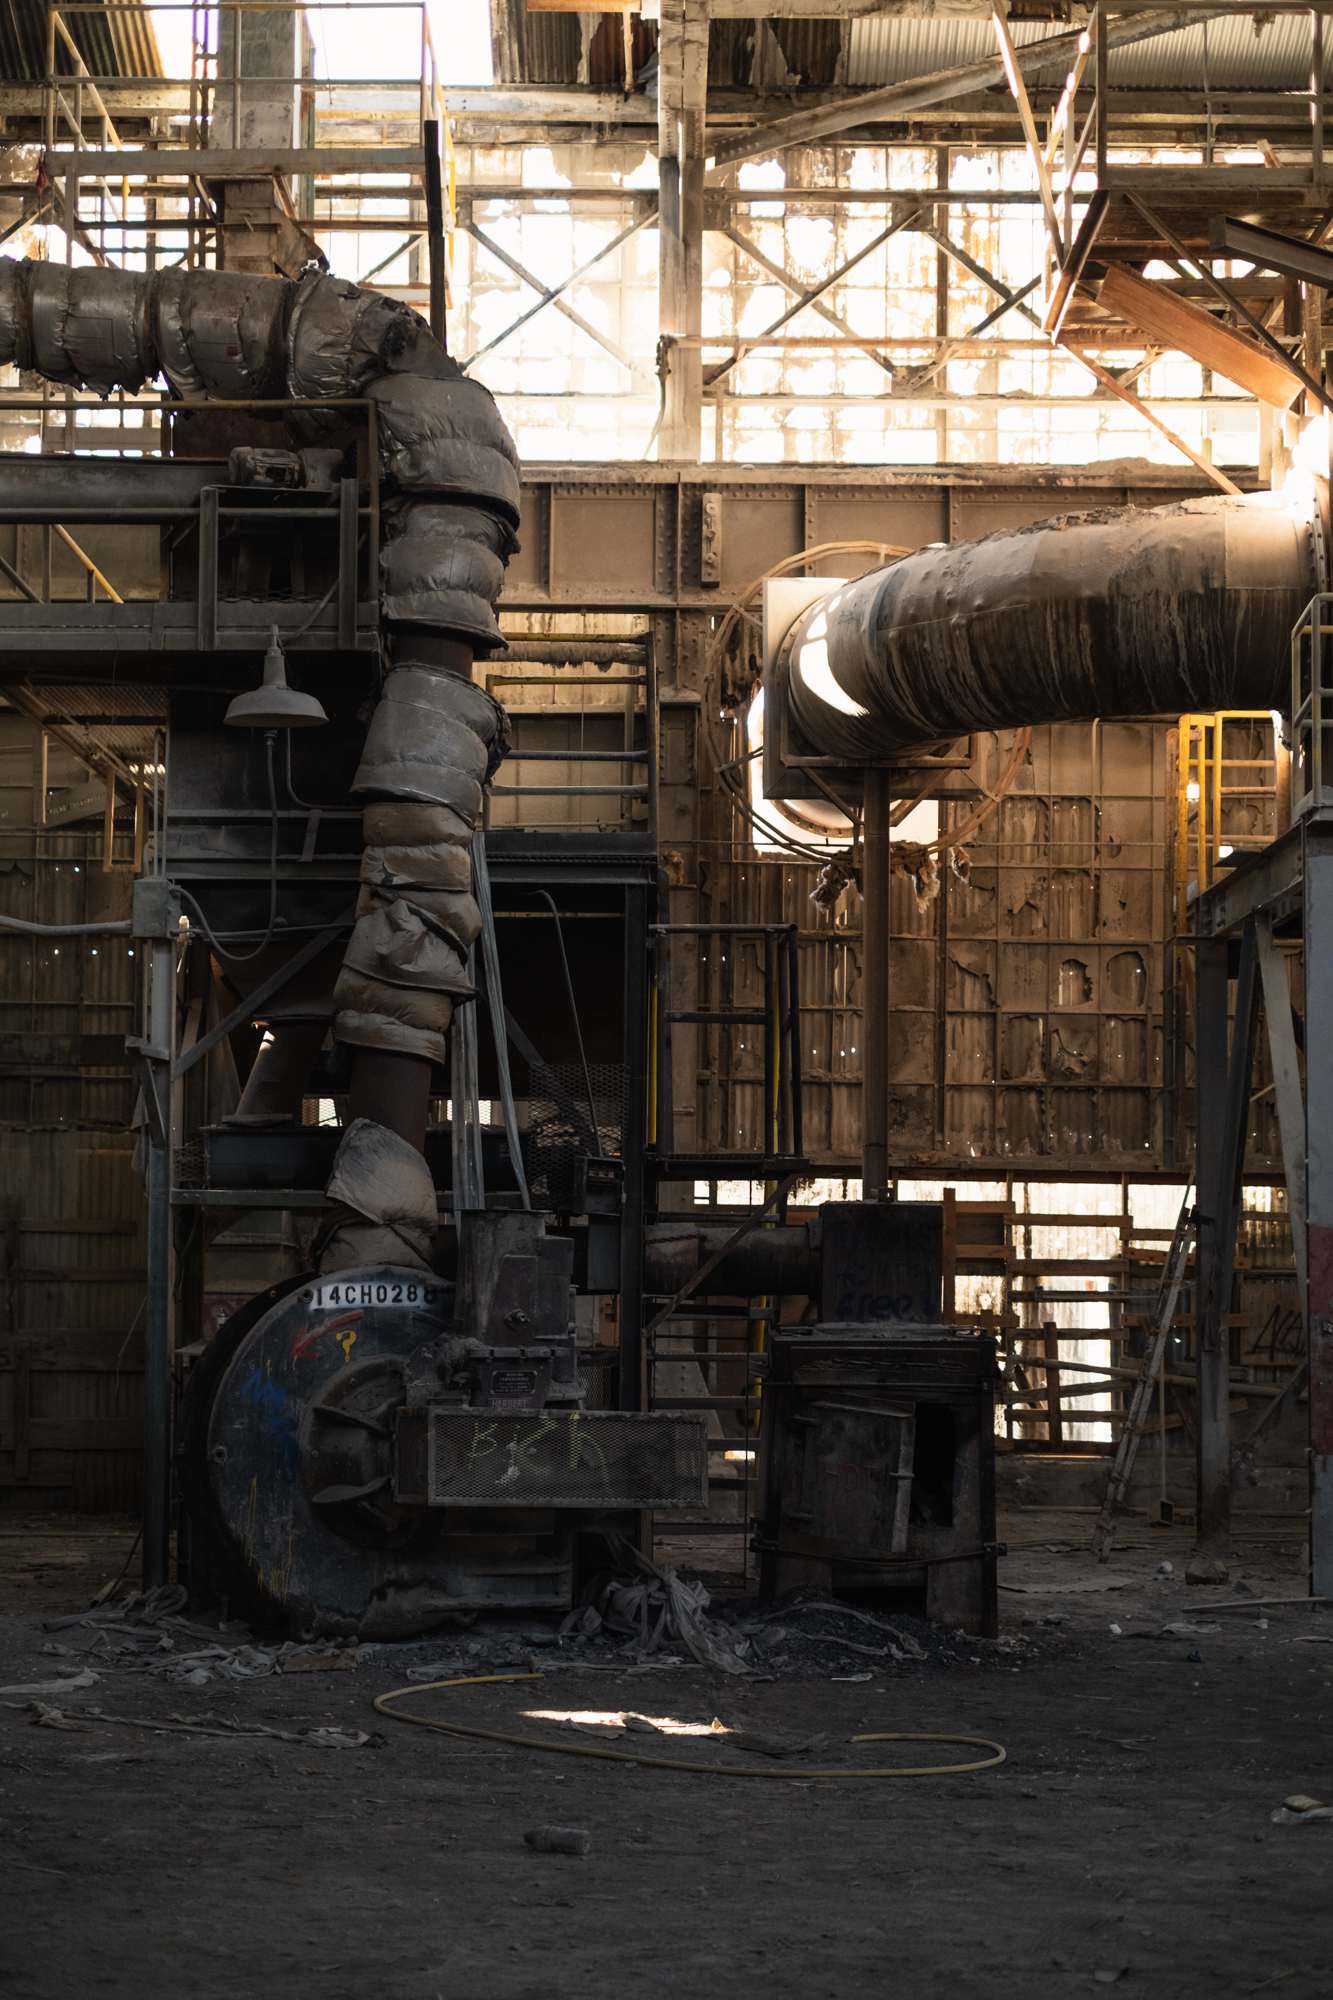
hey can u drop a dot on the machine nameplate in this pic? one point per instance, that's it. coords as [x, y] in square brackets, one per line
[341, 1293]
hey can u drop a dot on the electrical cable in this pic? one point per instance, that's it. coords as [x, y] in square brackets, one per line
[816, 552]
[490, 959]
[957, 835]
[243, 957]
[547, 898]
[736, 792]
[512, 1738]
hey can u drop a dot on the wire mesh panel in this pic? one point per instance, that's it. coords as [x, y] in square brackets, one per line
[561, 1130]
[599, 1374]
[564, 1458]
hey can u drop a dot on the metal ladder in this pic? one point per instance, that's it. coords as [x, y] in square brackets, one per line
[1150, 1378]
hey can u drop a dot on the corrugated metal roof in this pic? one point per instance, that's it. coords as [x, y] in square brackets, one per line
[890, 50]
[119, 43]
[541, 47]
[121, 699]
[1223, 54]
[1230, 55]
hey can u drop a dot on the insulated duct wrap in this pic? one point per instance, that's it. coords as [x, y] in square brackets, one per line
[384, 1202]
[1156, 611]
[452, 505]
[445, 566]
[435, 738]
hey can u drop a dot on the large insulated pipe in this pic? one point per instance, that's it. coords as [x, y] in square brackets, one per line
[451, 491]
[1134, 612]
[1154, 611]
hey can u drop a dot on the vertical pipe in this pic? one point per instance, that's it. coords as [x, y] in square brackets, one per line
[161, 1027]
[434, 228]
[875, 986]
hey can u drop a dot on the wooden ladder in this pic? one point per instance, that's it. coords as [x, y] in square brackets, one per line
[1150, 1378]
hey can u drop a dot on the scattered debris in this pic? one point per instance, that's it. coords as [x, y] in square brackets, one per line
[1252, 1603]
[770, 1746]
[1206, 1569]
[1069, 1586]
[1107, 1975]
[318, 1737]
[901, 1644]
[559, 1840]
[440, 1670]
[1165, 1569]
[660, 1604]
[46, 1717]
[1299, 1808]
[1181, 1628]
[68, 1684]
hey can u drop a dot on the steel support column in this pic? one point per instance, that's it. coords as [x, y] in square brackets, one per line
[1318, 914]
[633, 1148]
[156, 923]
[1222, 1087]
[682, 96]
[875, 986]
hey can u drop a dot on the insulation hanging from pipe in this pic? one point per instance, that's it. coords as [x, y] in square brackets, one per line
[1154, 611]
[451, 510]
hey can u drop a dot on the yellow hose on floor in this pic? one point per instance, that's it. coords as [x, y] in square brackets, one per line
[383, 1704]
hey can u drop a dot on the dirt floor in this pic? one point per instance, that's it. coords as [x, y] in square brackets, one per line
[1128, 1842]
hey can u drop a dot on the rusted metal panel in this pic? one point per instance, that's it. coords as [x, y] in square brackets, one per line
[70, 1204]
[759, 529]
[907, 519]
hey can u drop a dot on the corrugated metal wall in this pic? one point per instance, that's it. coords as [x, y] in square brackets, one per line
[1031, 992]
[71, 1248]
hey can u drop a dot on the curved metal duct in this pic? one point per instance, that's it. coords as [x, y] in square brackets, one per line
[452, 506]
[1133, 612]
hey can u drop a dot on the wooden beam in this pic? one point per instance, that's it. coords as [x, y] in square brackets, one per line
[1176, 322]
[1019, 92]
[1103, 375]
[1064, 110]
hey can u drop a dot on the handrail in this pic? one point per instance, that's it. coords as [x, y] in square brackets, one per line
[69, 78]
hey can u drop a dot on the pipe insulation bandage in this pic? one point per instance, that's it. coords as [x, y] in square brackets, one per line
[384, 1202]
[451, 489]
[1154, 611]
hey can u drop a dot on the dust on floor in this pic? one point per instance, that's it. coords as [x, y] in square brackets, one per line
[1127, 1843]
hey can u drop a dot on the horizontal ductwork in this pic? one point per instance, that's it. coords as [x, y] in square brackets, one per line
[1157, 611]
[451, 493]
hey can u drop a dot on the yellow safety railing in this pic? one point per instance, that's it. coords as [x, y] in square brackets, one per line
[1215, 787]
